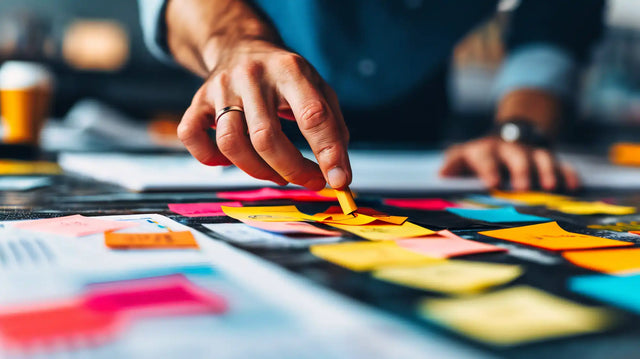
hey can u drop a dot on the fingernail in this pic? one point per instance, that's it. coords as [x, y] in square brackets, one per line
[337, 177]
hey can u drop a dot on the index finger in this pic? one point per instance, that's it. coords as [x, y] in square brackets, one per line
[320, 127]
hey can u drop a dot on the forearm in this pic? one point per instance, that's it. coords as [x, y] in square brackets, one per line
[201, 33]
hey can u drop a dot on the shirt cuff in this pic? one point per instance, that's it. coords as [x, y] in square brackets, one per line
[539, 66]
[154, 28]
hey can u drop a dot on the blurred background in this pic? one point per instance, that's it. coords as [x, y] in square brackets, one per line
[104, 72]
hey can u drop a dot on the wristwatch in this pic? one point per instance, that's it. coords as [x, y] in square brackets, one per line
[522, 131]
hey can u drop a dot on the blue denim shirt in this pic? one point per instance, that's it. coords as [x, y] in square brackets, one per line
[375, 51]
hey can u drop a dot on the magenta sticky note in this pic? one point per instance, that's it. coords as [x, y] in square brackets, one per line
[211, 209]
[166, 295]
[75, 226]
[292, 228]
[430, 204]
[273, 193]
[444, 244]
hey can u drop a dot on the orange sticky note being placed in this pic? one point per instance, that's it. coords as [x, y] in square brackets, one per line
[161, 240]
[552, 237]
[612, 261]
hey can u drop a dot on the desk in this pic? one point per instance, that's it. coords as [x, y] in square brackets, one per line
[395, 304]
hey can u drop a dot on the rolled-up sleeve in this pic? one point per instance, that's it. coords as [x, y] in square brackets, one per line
[154, 28]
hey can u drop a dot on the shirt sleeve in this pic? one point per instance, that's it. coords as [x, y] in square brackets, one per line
[154, 28]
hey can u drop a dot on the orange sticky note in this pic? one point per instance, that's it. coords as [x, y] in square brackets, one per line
[334, 215]
[612, 261]
[552, 237]
[161, 240]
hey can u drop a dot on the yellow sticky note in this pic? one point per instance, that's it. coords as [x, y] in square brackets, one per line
[612, 261]
[552, 237]
[451, 277]
[267, 213]
[362, 256]
[166, 240]
[516, 315]
[11, 167]
[530, 197]
[357, 219]
[383, 232]
[589, 208]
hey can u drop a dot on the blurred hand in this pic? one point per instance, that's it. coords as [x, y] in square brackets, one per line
[268, 82]
[488, 157]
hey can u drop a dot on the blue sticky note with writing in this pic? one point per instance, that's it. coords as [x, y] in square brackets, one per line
[496, 215]
[622, 292]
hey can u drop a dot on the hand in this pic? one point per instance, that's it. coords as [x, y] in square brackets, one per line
[267, 82]
[486, 157]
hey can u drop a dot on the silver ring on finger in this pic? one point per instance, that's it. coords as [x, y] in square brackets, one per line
[223, 111]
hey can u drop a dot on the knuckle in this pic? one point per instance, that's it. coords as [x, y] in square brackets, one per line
[329, 152]
[314, 116]
[227, 144]
[263, 139]
[291, 62]
[249, 70]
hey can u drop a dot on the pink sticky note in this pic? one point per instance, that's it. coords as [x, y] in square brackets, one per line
[292, 228]
[211, 209]
[445, 244]
[76, 225]
[431, 204]
[273, 193]
[167, 295]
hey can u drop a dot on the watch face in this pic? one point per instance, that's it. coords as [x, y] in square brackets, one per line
[510, 132]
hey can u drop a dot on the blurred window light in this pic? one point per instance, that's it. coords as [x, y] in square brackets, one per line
[98, 45]
[624, 13]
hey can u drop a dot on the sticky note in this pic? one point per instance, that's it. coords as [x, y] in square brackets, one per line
[516, 315]
[292, 228]
[76, 225]
[380, 232]
[632, 227]
[157, 296]
[488, 200]
[273, 193]
[590, 208]
[37, 326]
[211, 209]
[429, 204]
[444, 244]
[621, 292]
[613, 261]
[12, 167]
[530, 198]
[552, 237]
[451, 277]
[334, 215]
[267, 213]
[345, 198]
[363, 256]
[156, 240]
[496, 215]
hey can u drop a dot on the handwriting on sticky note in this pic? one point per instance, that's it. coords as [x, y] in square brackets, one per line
[383, 232]
[211, 209]
[516, 315]
[273, 193]
[292, 228]
[267, 213]
[444, 244]
[76, 225]
[362, 256]
[451, 277]
[496, 215]
[429, 204]
[552, 237]
[612, 261]
[159, 240]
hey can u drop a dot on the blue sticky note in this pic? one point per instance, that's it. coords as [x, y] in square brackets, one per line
[488, 200]
[623, 292]
[496, 215]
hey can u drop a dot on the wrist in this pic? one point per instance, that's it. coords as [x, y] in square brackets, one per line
[542, 109]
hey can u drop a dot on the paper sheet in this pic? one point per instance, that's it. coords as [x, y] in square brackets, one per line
[429, 204]
[451, 277]
[444, 244]
[242, 234]
[23, 183]
[612, 261]
[211, 209]
[622, 292]
[383, 232]
[267, 213]
[363, 256]
[292, 228]
[167, 240]
[496, 215]
[273, 193]
[516, 315]
[76, 225]
[552, 237]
